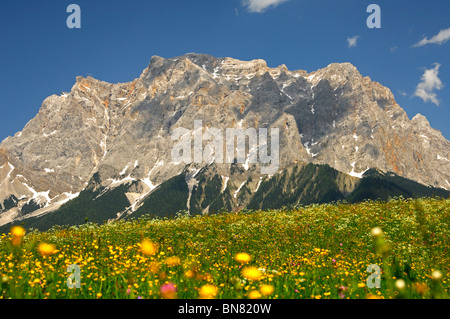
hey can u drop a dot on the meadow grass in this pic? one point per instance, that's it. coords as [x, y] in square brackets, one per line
[318, 251]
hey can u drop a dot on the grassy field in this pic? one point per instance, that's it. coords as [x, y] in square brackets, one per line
[319, 251]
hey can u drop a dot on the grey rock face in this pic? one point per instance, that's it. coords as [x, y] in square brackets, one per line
[122, 131]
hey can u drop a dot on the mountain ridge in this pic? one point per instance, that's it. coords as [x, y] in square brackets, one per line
[297, 185]
[331, 116]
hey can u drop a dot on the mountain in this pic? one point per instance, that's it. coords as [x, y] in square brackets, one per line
[106, 151]
[298, 184]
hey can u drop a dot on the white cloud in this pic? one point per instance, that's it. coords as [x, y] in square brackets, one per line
[259, 6]
[402, 93]
[430, 82]
[440, 38]
[352, 41]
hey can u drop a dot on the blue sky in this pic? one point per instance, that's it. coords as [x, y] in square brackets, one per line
[41, 56]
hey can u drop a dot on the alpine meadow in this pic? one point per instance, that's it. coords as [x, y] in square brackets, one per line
[316, 251]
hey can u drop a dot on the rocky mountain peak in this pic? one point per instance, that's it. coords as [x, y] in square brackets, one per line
[420, 120]
[336, 73]
[122, 133]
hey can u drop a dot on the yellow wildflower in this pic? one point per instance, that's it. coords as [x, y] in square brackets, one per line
[173, 261]
[254, 294]
[266, 289]
[243, 258]
[17, 233]
[148, 248]
[208, 292]
[251, 273]
[46, 249]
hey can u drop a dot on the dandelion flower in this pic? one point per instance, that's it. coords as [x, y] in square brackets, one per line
[266, 289]
[243, 258]
[99, 295]
[148, 248]
[18, 231]
[254, 294]
[46, 249]
[173, 261]
[153, 267]
[251, 273]
[208, 292]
